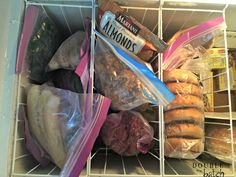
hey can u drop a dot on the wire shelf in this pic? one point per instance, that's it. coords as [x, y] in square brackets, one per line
[163, 21]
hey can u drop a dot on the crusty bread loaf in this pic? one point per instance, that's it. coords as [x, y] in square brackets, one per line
[184, 130]
[185, 88]
[180, 75]
[218, 142]
[183, 147]
[186, 114]
[186, 101]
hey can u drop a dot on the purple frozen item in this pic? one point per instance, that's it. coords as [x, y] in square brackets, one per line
[127, 133]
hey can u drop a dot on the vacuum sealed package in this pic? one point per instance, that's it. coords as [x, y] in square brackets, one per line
[58, 121]
[39, 41]
[127, 133]
[68, 54]
[192, 42]
[219, 142]
[127, 32]
[184, 116]
[67, 79]
[125, 81]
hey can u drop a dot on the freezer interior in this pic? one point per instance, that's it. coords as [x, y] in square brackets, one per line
[164, 20]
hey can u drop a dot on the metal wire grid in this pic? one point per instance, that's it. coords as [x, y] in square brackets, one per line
[162, 163]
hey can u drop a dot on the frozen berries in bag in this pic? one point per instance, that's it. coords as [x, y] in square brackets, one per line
[127, 82]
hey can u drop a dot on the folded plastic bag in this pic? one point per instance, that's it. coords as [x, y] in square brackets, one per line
[67, 79]
[58, 122]
[40, 39]
[127, 133]
[192, 42]
[125, 81]
[68, 54]
[127, 32]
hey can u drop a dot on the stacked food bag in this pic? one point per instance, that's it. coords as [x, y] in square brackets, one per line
[184, 117]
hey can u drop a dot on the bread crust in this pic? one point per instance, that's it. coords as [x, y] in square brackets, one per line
[185, 88]
[180, 75]
[186, 101]
[184, 130]
[188, 114]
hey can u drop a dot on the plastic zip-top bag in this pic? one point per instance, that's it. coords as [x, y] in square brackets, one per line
[127, 133]
[39, 41]
[59, 122]
[127, 82]
[192, 42]
[184, 116]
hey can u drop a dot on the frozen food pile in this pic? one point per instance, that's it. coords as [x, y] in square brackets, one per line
[63, 118]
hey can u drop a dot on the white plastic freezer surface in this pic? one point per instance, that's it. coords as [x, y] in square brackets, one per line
[16, 161]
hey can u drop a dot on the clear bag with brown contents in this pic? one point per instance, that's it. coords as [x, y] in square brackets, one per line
[184, 116]
[219, 142]
[125, 81]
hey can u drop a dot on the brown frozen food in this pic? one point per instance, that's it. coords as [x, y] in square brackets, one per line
[183, 130]
[127, 32]
[185, 88]
[117, 81]
[186, 101]
[127, 133]
[180, 75]
[186, 114]
[183, 148]
[218, 142]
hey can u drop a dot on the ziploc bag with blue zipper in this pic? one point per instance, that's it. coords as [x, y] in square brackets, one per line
[127, 82]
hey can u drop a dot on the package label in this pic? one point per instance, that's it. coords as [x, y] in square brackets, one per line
[121, 30]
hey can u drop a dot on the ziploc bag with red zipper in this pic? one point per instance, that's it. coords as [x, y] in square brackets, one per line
[61, 122]
[39, 41]
[127, 82]
[192, 43]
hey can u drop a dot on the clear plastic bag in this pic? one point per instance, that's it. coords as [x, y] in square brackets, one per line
[39, 41]
[127, 133]
[184, 116]
[68, 54]
[218, 142]
[124, 80]
[59, 122]
[192, 43]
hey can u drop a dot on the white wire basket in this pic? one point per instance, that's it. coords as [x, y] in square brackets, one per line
[163, 19]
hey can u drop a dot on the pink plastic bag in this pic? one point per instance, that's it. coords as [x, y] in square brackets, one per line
[127, 133]
[192, 43]
[39, 41]
[59, 122]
